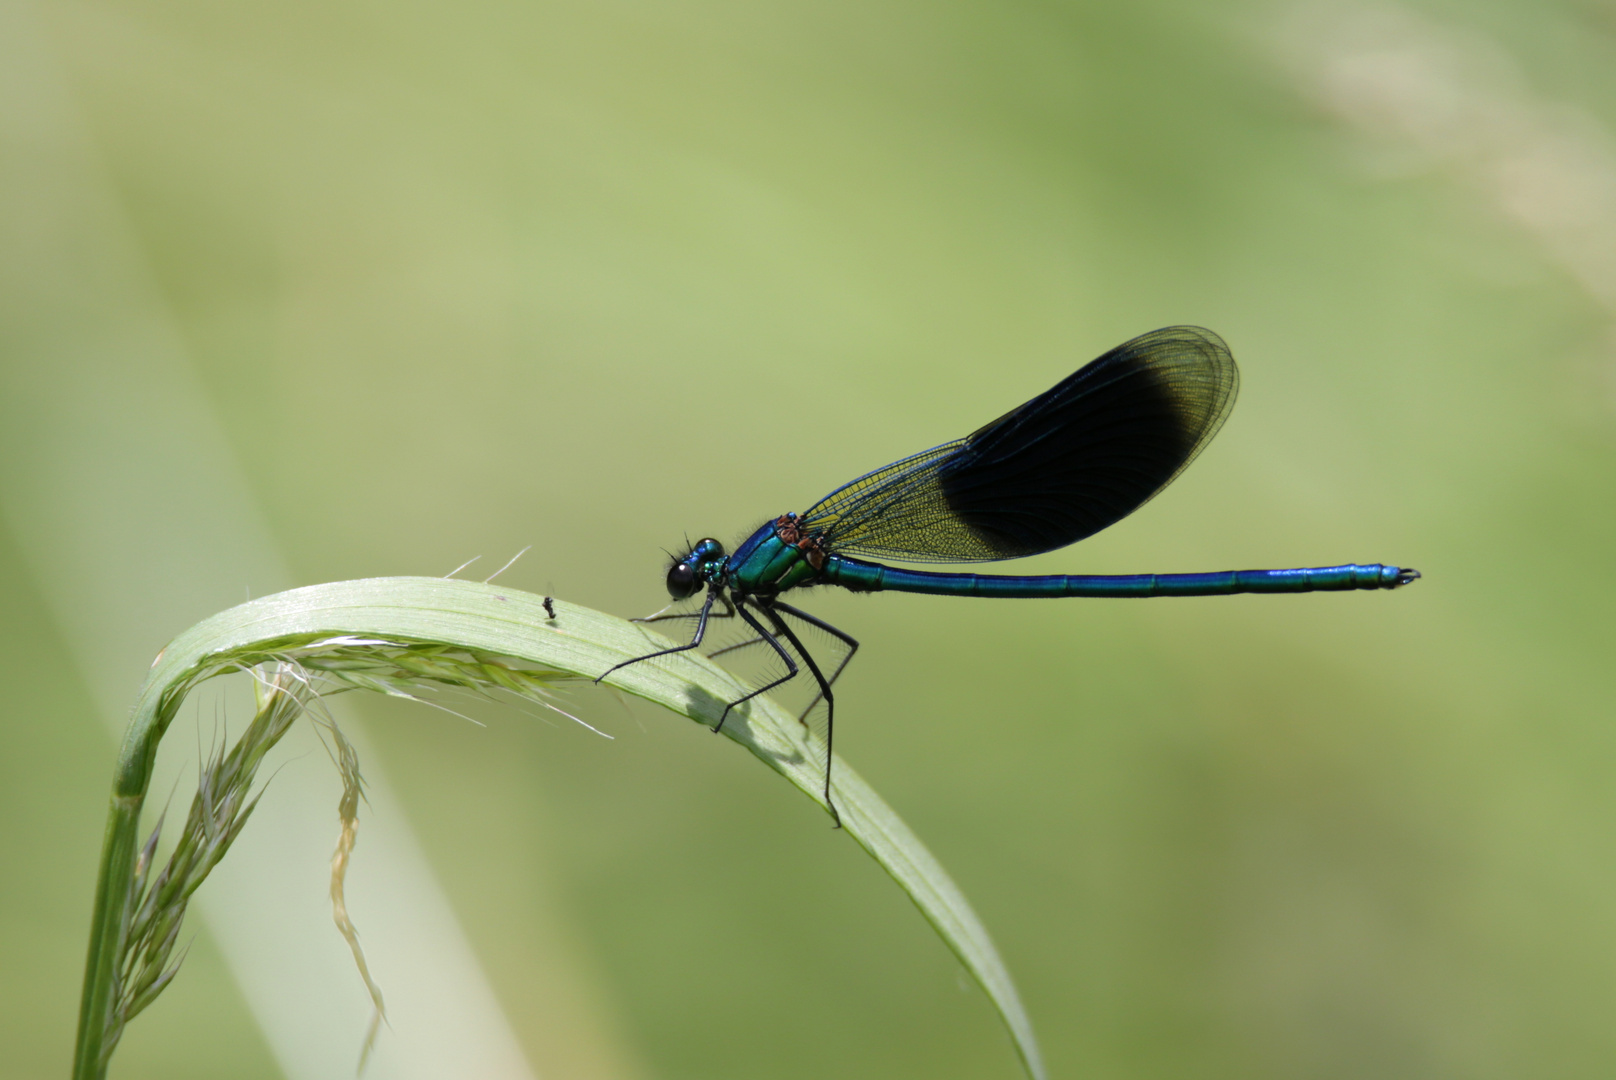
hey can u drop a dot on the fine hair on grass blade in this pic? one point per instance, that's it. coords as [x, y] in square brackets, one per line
[404, 637]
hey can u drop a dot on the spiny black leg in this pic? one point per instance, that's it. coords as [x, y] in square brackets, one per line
[727, 613]
[824, 689]
[701, 632]
[791, 665]
[845, 638]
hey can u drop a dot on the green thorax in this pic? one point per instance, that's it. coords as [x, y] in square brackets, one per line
[775, 558]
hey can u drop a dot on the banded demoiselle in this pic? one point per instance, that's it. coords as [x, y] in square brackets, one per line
[1078, 457]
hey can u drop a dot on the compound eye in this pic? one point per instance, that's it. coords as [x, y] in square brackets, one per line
[682, 581]
[707, 550]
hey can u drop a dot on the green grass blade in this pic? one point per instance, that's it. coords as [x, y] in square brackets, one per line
[491, 621]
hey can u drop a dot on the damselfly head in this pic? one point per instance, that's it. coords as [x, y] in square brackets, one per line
[685, 578]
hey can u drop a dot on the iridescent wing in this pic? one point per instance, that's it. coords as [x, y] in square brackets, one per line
[1080, 456]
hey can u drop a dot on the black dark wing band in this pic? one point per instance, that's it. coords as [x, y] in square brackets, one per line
[1076, 458]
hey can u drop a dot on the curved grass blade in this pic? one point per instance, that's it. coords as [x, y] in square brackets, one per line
[489, 622]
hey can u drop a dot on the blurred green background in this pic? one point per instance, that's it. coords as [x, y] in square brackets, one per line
[443, 280]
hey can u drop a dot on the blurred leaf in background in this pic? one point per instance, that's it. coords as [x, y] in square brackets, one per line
[431, 281]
